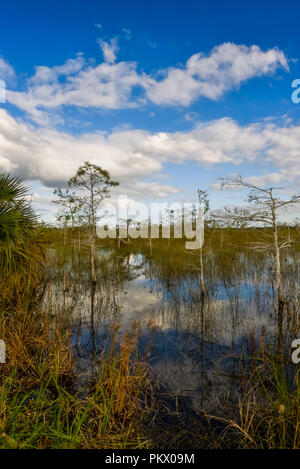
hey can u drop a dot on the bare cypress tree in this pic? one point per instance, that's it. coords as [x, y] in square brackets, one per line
[263, 208]
[64, 217]
[204, 207]
[150, 236]
[68, 201]
[204, 203]
[91, 185]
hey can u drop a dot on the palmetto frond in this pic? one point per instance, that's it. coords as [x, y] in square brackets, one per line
[17, 223]
[11, 188]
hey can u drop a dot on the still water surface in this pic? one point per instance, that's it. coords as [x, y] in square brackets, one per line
[195, 349]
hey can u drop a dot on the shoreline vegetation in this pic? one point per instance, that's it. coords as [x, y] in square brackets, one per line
[121, 404]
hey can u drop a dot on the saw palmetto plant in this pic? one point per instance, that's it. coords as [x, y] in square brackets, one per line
[20, 254]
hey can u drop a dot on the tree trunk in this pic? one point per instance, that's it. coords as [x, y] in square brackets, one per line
[277, 259]
[64, 261]
[93, 335]
[150, 245]
[93, 255]
[279, 285]
[201, 272]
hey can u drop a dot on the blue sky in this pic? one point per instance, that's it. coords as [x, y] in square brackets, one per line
[166, 95]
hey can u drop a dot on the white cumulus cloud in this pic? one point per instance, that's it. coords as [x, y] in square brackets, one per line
[135, 156]
[210, 76]
[111, 84]
[6, 70]
[109, 50]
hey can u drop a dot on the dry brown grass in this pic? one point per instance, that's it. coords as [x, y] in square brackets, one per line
[39, 407]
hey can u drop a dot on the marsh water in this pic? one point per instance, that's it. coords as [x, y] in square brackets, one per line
[198, 350]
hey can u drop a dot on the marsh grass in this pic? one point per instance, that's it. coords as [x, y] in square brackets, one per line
[41, 405]
[266, 413]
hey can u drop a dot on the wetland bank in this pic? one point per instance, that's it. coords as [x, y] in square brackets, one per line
[156, 346]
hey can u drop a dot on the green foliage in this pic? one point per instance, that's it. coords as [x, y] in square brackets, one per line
[70, 205]
[84, 195]
[94, 181]
[17, 224]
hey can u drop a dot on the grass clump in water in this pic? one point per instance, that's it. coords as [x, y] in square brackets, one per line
[39, 407]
